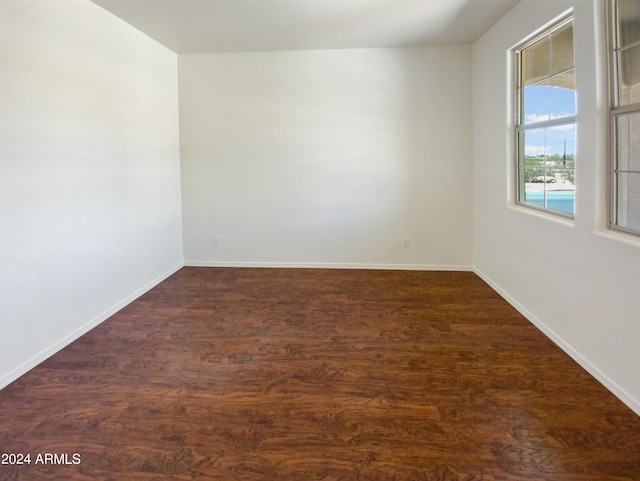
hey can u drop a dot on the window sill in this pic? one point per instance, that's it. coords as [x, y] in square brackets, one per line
[543, 214]
[560, 218]
[619, 236]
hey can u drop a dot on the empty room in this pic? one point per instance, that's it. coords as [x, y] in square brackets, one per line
[320, 240]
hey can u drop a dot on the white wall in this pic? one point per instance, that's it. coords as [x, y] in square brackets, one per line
[574, 280]
[327, 157]
[89, 173]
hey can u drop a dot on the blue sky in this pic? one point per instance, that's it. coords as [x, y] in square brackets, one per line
[545, 103]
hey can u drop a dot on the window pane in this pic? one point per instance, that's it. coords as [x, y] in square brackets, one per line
[629, 22]
[628, 142]
[545, 194]
[629, 77]
[547, 167]
[548, 78]
[551, 147]
[561, 201]
[628, 201]
[537, 101]
[533, 148]
[533, 192]
[562, 49]
[566, 80]
[535, 62]
[563, 95]
[560, 146]
[560, 164]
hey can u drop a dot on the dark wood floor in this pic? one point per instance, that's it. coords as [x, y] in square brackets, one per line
[267, 374]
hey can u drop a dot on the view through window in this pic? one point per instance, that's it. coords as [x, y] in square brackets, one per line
[545, 121]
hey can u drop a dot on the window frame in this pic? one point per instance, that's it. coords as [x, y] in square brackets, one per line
[521, 126]
[616, 110]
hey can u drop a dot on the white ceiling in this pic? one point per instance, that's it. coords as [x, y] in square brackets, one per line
[201, 26]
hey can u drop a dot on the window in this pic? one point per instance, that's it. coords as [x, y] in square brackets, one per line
[546, 121]
[624, 171]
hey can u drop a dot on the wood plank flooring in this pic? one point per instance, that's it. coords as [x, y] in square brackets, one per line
[303, 374]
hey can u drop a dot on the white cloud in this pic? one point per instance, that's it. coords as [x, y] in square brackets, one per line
[565, 127]
[535, 150]
[533, 118]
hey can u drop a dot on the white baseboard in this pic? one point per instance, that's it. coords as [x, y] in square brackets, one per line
[26, 366]
[320, 265]
[601, 377]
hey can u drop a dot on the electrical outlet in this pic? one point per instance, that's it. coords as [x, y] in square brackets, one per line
[216, 240]
[405, 243]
